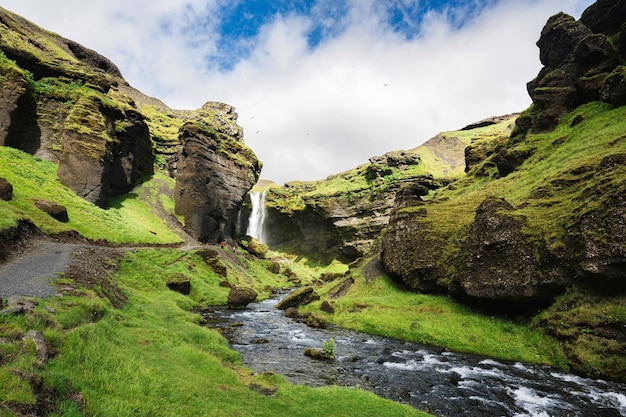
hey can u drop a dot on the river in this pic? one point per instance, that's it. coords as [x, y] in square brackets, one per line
[430, 379]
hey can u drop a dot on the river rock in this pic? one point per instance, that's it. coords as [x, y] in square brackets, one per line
[54, 210]
[303, 295]
[6, 190]
[292, 313]
[241, 296]
[315, 354]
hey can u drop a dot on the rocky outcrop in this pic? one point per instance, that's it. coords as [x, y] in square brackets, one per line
[583, 61]
[412, 249]
[501, 269]
[69, 105]
[105, 150]
[59, 101]
[538, 223]
[342, 216]
[215, 170]
[340, 225]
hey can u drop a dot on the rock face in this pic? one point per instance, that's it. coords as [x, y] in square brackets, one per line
[411, 249]
[105, 150]
[341, 225]
[499, 266]
[69, 105]
[581, 64]
[60, 101]
[342, 216]
[214, 172]
[602, 232]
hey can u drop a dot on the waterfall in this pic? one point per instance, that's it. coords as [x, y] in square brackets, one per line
[257, 217]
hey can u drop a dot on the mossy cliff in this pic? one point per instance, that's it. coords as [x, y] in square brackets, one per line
[533, 224]
[540, 217]
[67, 104]
[342, 216]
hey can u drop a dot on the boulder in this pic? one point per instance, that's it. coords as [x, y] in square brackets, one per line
[256, 248]
[341, 289]
[300, 296]
[215, 172]
[327, 307]
[6, 190]
[36, 337]
[212, 258]
[241, 296]
[179, 283]
[501, 269]
[54, 210]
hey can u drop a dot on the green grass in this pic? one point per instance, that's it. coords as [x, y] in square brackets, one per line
[382, 307]
[153, 358]
[129, 219]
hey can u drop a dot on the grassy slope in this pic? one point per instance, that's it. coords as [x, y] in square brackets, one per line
[433, 162]
[152, 357]
[161, 345]
[129, 219]
[380, 306]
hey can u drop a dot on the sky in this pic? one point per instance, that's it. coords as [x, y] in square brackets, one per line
[320, 86]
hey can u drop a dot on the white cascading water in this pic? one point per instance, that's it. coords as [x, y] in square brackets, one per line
[257, 217]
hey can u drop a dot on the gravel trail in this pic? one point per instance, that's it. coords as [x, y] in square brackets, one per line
[31, 273]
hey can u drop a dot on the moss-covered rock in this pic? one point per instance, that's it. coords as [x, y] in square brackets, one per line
[583, 62]
[300, 296]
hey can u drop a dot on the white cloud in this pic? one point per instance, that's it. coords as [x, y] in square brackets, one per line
[361, 93]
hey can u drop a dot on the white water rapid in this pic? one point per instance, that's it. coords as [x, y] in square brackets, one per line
[257, 217]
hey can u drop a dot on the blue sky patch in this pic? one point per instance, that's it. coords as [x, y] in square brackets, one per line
[240, 22]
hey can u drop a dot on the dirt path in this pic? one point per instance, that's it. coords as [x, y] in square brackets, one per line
[31, 273]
